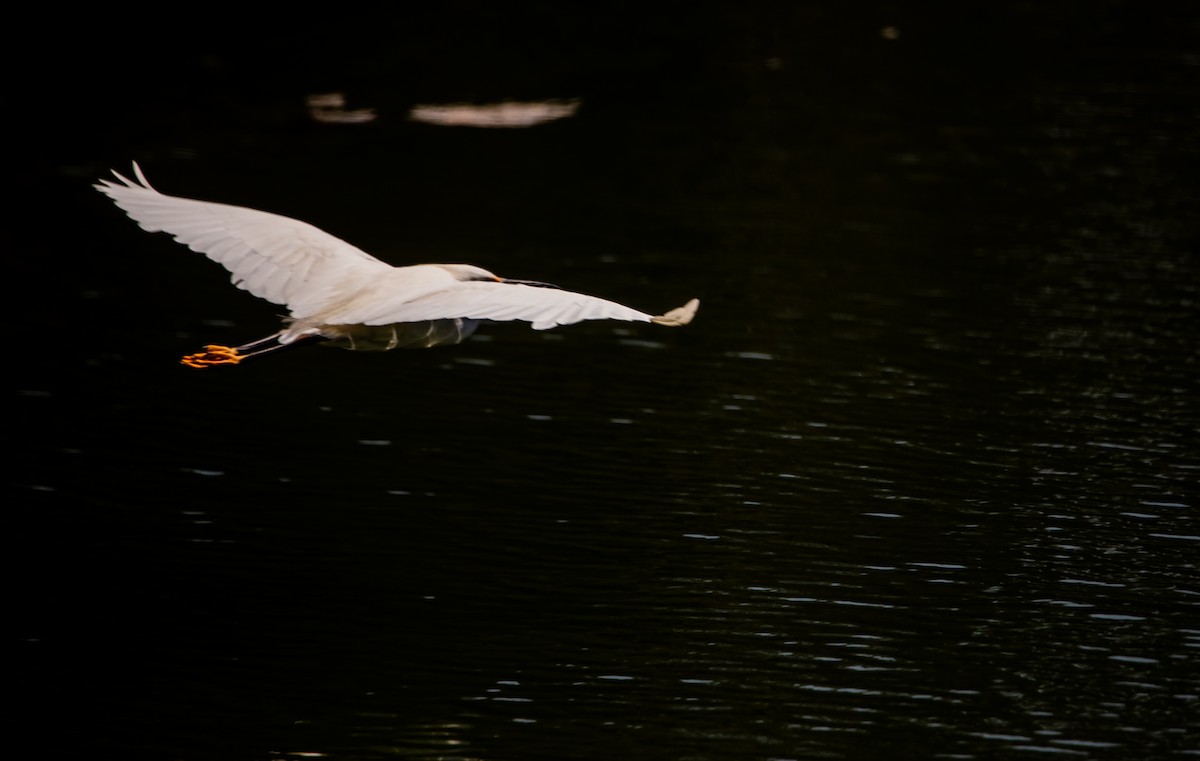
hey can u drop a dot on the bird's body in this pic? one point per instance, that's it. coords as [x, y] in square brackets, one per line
[337, 293]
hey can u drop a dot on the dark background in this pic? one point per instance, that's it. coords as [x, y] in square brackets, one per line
[917, 483]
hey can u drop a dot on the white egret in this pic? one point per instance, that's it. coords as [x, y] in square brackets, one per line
[336, 293]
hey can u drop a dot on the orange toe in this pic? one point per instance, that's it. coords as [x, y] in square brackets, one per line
[213, 354]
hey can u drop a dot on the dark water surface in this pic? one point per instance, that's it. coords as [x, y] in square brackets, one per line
[919, 482]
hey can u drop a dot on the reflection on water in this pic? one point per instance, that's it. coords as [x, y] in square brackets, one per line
[330, 108]
[508, 114]
[919, 482]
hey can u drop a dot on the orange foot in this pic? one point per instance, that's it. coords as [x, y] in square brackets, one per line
[213, 355]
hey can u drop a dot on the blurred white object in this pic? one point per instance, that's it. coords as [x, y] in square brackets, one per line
[337, 293]
[505, 114]
[330, 108]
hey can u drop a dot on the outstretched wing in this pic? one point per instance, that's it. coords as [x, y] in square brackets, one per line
[544, 307]
[276, 258]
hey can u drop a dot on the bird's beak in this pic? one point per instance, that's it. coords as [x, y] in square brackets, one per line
[534, 283]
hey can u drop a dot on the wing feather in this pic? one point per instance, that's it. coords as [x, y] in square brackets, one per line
[487, 300]
[325, 281]
[276, 258]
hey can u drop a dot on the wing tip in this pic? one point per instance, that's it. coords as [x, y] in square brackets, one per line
[141, 183]
[678, 316]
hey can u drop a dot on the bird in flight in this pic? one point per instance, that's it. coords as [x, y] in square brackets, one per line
[338, 294]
